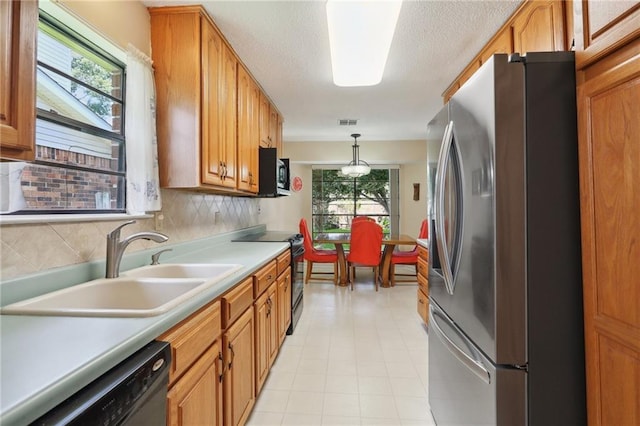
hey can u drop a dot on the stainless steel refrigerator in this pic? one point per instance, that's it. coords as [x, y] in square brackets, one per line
[506, 342]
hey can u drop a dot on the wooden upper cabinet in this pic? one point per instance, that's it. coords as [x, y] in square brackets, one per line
[501, 43]
[268, 123]
[248, 131]
[279, 126]
[273, 126]
[602, 27]
[196, 92]
[265, 115]
[18, 29]
[208, 105]
[609, 143]
[536, 26]
[539, 27]
[218, 110]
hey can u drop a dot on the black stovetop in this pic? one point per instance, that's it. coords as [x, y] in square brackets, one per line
[271, 236]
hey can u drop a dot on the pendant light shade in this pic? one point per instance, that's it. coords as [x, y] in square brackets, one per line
[356, 167]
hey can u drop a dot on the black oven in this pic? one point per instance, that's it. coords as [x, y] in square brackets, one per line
[296, 245]
[297, 280]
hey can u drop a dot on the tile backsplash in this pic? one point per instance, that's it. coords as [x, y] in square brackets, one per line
[31, 248]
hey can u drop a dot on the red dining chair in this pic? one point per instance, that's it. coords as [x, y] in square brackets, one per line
[410, 257]
[359, 218]
[313, 255]
[364, 248]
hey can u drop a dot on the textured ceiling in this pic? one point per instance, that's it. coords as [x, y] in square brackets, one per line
[286, 47]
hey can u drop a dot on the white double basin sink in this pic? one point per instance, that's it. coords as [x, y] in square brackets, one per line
[141, 292]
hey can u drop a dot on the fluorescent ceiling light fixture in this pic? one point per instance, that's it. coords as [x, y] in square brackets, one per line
[360, 34]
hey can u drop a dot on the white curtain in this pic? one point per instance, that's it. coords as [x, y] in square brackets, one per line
[143, 185]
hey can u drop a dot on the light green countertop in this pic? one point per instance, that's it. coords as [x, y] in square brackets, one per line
[44, 360]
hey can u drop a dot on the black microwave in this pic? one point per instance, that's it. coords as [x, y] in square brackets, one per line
[274, 174]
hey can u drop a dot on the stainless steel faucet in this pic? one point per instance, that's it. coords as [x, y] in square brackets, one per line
[115, 247]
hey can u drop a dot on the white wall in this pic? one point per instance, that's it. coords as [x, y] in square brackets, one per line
[411, 156]
[284, 213]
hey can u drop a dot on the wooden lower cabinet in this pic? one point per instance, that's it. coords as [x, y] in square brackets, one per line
[221, 355]
[267, 344]
[284, 304]
[609, 140]
[239, 383]
[196, 398]
[423, 283]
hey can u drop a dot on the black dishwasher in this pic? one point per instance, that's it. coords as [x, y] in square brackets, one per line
[132, 393]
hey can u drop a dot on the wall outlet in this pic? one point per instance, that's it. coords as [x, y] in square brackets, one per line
[158, 221]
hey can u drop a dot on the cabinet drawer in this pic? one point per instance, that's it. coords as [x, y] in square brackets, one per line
[423, 284]
[236, 301]
[423, 306]
[423, 253]
[284, 260]
[191, 338]
[423, 267]
[264, 278]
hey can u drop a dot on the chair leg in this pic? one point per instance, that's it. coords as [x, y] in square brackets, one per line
[308, 274]
[352, 275]
[393, 275]
[335, 273]
[375, 276]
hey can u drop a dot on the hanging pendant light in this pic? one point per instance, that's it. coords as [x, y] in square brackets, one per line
[356, 167]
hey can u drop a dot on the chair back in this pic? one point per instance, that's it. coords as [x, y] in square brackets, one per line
[306, 236]
[359, 218]
[365, 243]
[424, 229]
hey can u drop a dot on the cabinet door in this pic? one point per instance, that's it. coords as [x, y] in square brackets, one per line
[212, 118]
[540, 27]
[284, 304]
[272, 315]
[265, 111]
[261, 309]
[239, 382]
[273, 126]
[605, 27]
[229, 113]
[608, 133]
[279, 136]
[196, 399]
[18, 28]
[248, 132]
[423, 306]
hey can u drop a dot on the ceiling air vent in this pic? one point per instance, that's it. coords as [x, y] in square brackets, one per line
[347, 122]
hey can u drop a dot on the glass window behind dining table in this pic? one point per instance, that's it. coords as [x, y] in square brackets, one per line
[337, 199]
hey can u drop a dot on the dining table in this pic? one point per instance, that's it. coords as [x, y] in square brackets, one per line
[389, 243]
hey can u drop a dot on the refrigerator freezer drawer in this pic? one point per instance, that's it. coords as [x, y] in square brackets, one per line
[465, 387]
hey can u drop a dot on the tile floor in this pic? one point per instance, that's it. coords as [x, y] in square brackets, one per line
[355, 358]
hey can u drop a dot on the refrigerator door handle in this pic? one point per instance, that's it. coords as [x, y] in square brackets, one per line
[441, 244]
[473, 365]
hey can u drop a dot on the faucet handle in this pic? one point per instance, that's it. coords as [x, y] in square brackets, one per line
[156, 256]
[115, 234]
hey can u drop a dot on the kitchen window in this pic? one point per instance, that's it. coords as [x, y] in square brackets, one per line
[338, 198]
[80, 144]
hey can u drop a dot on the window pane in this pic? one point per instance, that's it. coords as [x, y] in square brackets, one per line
[57, 188]
[64, 145]
[338, 198]
[61, 59]
[79, 165]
